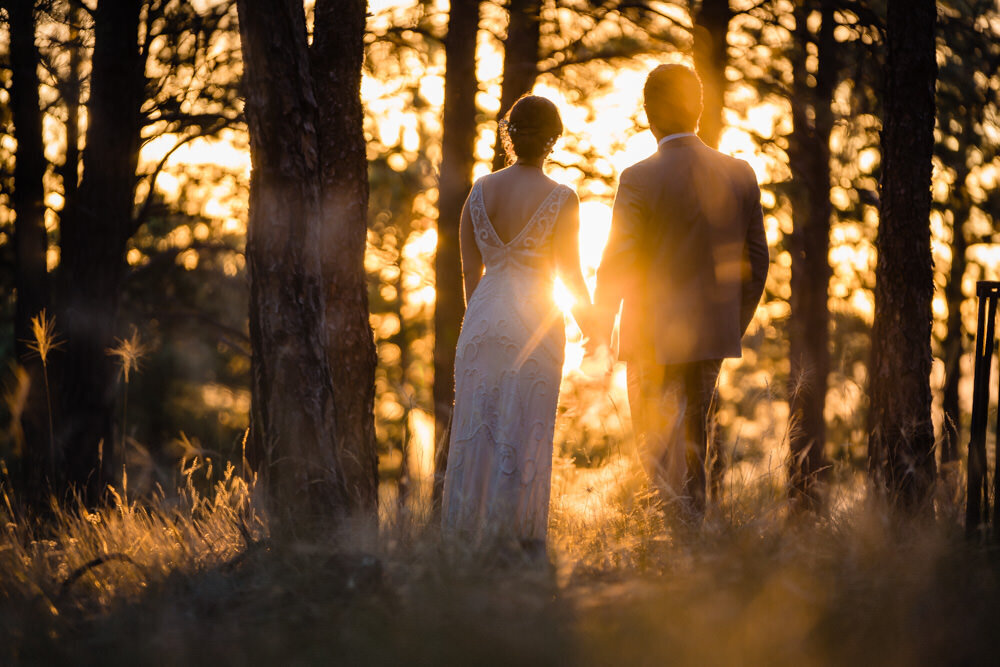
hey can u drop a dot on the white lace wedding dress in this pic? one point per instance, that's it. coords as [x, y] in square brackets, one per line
[508, 367]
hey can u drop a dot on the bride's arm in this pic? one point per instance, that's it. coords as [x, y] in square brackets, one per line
[567, 249]
[472, 260]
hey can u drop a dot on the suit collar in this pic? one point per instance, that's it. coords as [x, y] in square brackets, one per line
[678, 142]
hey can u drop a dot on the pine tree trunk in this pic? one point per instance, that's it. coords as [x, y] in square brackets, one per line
[457, 161]
[402, 340]
[292, 407]
[94, 230]
[953, 344]
[31, 280]
[312, 430]
[901, 445]
[809, 158]
[520, 61]
[71, 98]
[337, 53]
[711, 56]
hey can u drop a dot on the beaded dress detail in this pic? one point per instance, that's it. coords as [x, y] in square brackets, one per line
[508, 367]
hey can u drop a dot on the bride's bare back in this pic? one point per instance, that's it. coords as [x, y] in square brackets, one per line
[512, 195]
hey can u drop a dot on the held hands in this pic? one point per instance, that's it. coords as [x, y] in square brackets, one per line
[596, 329]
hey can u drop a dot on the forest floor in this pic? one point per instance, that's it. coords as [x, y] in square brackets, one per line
[196, 580]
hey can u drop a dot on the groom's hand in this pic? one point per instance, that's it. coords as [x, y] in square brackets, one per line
[597, 341]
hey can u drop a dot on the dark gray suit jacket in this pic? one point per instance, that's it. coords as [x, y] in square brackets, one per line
[687, 254]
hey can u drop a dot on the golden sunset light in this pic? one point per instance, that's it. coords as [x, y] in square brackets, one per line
[304, 359]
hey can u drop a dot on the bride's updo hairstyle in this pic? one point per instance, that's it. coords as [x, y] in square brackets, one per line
[530, 128]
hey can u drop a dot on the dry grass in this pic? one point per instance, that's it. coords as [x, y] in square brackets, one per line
[80, 564]
[199, 582]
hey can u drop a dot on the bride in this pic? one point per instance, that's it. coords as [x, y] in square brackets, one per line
[519, 230]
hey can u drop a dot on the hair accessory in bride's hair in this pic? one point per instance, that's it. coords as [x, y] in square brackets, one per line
[531, 129]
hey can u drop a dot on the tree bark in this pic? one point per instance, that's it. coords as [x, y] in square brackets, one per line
[711, 56]
[31, 279]
[809, 333]
[311, 426]
[94, 230]
[70, 92]
[403, 341]
[901, 445]
[457, 161]
[520, 62]
[337, 54]
[953, 344]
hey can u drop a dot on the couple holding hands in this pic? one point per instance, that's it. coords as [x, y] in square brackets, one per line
[685, 261]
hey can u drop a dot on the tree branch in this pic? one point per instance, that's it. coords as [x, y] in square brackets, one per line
[235, 339]
[189, 119]
[144, 210]
[168, 257]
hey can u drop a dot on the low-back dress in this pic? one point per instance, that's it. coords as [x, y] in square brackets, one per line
[508, 367]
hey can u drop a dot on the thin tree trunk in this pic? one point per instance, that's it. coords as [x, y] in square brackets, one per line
[404, 484]
[31, 280]
[336, 56]
[809, 334]
[71, 98]
[953, 344]
[94, 231]
[901, 445]
[520, 61]
[711, 56]
[458, 144]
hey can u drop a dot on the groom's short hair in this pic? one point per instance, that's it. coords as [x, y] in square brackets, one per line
[672, 97]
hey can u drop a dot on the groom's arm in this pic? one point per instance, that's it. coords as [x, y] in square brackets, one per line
[756, 253]
[618, 262]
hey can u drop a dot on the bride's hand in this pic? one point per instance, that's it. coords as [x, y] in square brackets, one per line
[594, 328]
[598, 360]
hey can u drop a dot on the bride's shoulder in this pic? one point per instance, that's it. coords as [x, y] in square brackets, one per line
[491, 181]
[568, 193]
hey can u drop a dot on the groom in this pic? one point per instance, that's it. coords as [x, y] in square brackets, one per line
[686, 260]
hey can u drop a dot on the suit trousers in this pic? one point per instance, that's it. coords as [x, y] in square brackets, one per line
[672, 409]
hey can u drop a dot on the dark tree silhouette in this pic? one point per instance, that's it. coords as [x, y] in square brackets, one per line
[31, 280]
[457, 160]
[95, 226]
[520, 61]
[70, 91]
[303, 205]
[901, 444]
[809, 325]
[711, 56]
[964, 102]
[336, 57]
[954, 343]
